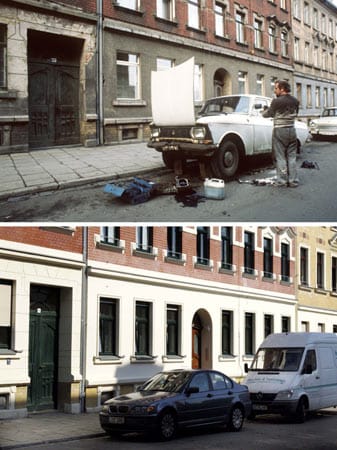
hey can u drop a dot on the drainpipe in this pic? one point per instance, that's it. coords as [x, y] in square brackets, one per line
[84, 306]
[99, 77]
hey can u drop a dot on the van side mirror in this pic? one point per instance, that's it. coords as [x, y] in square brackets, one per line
[246, 368]
[307, 369]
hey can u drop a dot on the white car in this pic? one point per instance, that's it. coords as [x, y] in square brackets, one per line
[326, 124]
[228, 130]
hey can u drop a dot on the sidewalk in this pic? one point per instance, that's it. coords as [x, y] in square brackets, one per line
[48, 427]
[61, 167]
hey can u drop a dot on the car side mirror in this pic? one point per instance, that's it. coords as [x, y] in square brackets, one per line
[192, 390]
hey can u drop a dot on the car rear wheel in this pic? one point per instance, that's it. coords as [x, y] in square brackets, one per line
[167, 427]
[236, 418]
[225, 162]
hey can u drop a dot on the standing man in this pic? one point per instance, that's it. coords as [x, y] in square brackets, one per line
[284, 109]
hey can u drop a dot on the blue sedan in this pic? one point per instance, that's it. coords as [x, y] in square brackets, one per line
[178, 399]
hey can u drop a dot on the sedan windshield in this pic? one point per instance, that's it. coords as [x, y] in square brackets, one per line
[226, 105]
[167, 382]
[280, 359]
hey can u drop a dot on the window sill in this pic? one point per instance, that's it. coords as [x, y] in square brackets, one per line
[226, 358]
[144, 254]
[268, 279]
[118, 248]
[250, 276]
[143, 359]
[172, 358]
[177, 261]
[108, 359]
[304, 287]
[9, 354]
[227, 271]
[321, 291]
[203, 266]
[172, 22]
[63, 230]
[10, 95]
[129, 102]
[333, 293]
[197, 30]
[222, 38]
[137, 12]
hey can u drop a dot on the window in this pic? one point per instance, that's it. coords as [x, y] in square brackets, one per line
[164, 64]
[310, 361]
[130, 4]
[296, 49]
[321, 328]
[285, 323]
[107, 327]
[284, 43]
[249, 333]
[240, 27]
[323, 23]
[334, 274]
[220, 19]
[249, 262]
[317, 96]
[220, 381]
[272, 38]
[306, 13]
[194, 14]
[3, 57]
[325, 97]
[165, 9]
[307, 59]
[268, 258]
[334, 329]
[316, 56]
[283, 4]
[172, 330]
[315, 18]
[260, 85]
[242, 82]
[227, 333]
[142, 329]
[258, 33]
[320, 270]
[6, 289]
[144, 239]
[305, 327]
[198, 83]
[304, 269]
[174, 242]
[127, 76]
[268, 325]
[296, 9]
[110, 235]
[203, 245]
[227, 247]
[299, 92]
[309, 96]
[285, 262]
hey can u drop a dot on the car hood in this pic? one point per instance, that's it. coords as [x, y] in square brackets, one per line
[268, 382]
[141, 397]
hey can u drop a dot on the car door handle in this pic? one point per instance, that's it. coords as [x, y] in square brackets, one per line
[317, 378]
[209, 395]
[230, 392]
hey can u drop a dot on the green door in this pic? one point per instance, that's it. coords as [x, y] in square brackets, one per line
[43, 348]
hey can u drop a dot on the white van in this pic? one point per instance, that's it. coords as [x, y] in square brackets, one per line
[294, 373]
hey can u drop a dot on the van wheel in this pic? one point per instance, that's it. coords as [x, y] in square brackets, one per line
[225, 161]
[236, 418]
[301, 411]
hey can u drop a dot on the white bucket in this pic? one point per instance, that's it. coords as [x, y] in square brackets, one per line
[214, 188]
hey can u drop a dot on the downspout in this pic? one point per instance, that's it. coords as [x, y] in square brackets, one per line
[84, 307]
[99, 77]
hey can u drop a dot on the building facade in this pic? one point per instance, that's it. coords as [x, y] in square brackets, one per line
[317, 282]
[79, 72]
[87, 313]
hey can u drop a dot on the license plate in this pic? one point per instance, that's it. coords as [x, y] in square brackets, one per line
[116, 420]
[170, 148]
[260, 407]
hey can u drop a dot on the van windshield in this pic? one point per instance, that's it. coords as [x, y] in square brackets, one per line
[280, 359]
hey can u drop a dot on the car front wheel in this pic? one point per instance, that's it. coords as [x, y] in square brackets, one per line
[236, 418]
[225, 162]
[167, 427]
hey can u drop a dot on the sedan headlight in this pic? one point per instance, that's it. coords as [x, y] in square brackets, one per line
[198, 133]
[285, 395]
[105, 408]
[155, 133]
[144, 409]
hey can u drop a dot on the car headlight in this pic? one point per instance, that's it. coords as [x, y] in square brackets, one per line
[285, 395]
[155, 133]
[105, 408]
[198, 133]
[144, 409]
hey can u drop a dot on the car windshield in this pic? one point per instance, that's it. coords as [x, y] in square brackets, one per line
[280, 359]
[167, 382]
[226, 105]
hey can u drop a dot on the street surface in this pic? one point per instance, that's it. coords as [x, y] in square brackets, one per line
[265, 433]
[313, 201]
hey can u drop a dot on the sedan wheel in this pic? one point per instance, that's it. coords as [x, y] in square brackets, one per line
[167, 426]
[236, 419]
[226, 160]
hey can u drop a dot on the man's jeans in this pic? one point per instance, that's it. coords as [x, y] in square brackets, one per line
[285, 150]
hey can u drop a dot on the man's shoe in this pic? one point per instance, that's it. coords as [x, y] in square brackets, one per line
[280, 184]
[293, 185]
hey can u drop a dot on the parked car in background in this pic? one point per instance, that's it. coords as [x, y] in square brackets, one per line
[178, 399]
[326, 124]
[229, 129]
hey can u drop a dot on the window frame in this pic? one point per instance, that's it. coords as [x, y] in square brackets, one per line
[175, 242]
[227, 248]
[320, 269]
[6, 327]
[130, 65]
[114, 323]
[249, 334]
[144, 239]
[249, 252]
[203, 246]
[3, 57]
[304, 266]
[285, 262]
[173, 329]
[146, 343]
[268, 268]
[227, 333]
[110, 236]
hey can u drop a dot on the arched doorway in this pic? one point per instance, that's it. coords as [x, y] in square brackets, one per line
[201, 340]
[222, 83]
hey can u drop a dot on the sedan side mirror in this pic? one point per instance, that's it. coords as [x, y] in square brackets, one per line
[192, 390]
